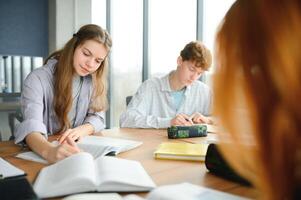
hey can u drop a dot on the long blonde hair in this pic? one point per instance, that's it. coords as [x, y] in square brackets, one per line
[64, 72]
[257, 93]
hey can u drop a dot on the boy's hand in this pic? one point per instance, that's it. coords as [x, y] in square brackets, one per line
[181, 119]
[198, 118]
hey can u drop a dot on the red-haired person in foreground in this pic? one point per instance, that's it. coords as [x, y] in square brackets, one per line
[258, 93]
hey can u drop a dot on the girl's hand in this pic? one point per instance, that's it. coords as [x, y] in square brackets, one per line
[77, 133]
[73, 134]
[62, 151]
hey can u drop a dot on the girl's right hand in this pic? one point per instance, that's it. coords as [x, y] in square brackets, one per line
[64, 150]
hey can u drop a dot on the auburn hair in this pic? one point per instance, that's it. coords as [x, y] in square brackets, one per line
[64, 72]
[257, 93]
[198, 53]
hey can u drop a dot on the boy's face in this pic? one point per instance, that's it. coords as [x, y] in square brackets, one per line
[188, 72]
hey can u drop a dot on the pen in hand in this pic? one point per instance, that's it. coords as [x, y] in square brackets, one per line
[189, 119]
[72, 143]
[69, 141]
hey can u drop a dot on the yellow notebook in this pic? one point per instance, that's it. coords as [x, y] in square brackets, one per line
[181, 151]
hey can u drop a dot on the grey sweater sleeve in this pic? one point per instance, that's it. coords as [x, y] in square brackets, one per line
[96, 119]
[32, 109]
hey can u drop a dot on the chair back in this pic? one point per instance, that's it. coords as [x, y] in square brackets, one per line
[128, 100]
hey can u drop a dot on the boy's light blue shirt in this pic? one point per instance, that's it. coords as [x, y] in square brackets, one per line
[178, 97]
[153, 106]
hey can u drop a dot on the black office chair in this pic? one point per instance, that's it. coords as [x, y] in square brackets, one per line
[12, 117]
[10, 103]
[128, 100]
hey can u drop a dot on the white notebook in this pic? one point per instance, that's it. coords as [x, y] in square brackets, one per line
[81, 173]
[167, 192]
[94, 196]
[95, 145]
[186, 191]
[7, 170]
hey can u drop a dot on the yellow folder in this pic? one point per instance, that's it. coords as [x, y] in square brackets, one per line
[181, 151]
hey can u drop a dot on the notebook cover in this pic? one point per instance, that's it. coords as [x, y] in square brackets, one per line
[181, 151]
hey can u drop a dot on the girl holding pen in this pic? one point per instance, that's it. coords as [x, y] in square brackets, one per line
[67, 95]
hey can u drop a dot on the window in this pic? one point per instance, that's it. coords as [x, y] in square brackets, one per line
[172, 26]
[99, 12]
[214, 11]
[126, 56]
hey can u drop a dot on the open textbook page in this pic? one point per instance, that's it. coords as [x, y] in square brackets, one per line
[185, 191]
[8, 170]
[81, 173]
[94, 196]
[100, 146]
[95, 145]
[167, 192]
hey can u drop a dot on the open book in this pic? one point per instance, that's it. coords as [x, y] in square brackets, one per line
[166, 192]
[13, 183]
[185, 191]
[7, 170]
[81, 173]
[191, 192]
[95, 145]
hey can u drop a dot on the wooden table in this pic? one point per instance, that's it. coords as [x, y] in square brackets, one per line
[162, 171]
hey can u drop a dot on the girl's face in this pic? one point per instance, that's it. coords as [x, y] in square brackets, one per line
[88, 57]
[188, 72]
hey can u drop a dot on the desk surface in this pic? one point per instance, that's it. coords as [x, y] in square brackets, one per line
[162, 171]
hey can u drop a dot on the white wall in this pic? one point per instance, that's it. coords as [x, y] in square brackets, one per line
[65, 18]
